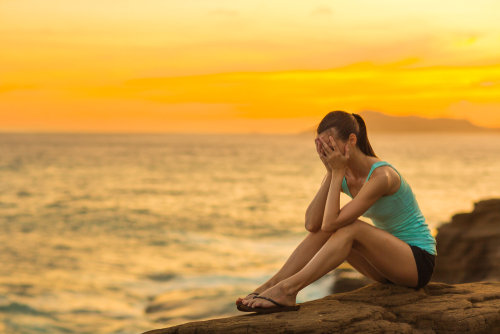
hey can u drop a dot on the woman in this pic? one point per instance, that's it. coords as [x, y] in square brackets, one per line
[399, 249]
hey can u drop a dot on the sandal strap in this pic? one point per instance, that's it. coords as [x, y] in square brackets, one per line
[272, 301]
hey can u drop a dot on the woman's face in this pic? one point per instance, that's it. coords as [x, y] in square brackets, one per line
[326, 137]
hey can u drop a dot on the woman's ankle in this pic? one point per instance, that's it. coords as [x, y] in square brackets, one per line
[269, 284]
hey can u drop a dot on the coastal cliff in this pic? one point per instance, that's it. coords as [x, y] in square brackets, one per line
[469, 247]
[375, 308]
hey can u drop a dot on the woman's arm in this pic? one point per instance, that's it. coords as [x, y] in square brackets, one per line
[333, 200]
[335, 218]
[315, 210]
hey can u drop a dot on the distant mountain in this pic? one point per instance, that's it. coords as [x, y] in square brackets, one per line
[379, 122]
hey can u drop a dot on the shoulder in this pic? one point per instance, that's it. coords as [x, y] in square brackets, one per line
[381, 174]
[378, 185]
[386, 174]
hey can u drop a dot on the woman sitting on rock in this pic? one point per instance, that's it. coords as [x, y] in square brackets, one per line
[399, 249]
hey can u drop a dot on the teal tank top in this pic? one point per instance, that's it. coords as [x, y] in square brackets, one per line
[399, 214]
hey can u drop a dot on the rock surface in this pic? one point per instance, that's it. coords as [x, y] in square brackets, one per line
[469, 247]
[376, 308]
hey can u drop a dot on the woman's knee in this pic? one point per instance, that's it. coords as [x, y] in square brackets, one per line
[319, 237]
[349, 228]
[355, 227]
[345, 232]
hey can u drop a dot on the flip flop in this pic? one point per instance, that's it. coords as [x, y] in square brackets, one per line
[278, 308]
[239, 304]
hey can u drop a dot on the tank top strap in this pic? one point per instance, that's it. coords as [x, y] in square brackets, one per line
[375, 165]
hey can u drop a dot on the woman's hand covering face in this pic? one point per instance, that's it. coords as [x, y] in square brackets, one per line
[322, 154]
[333, 157]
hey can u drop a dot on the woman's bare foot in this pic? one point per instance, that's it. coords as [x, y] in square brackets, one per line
[278, 293]
[250, 296]
[259, 290]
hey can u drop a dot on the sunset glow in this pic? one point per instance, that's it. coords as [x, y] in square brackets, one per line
[241, 66]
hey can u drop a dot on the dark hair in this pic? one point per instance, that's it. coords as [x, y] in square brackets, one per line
[345, 124]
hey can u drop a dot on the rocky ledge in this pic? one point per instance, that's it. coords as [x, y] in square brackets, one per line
[469, 247]
[375, 308]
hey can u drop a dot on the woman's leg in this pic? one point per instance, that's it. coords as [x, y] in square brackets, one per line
[304, 252]
[301, 256]
[390, 256]
[358, 262]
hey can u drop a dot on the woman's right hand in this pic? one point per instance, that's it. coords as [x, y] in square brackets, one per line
[322, 155]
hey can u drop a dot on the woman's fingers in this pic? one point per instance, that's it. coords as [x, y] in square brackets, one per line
[336, 148]
[326, 148]
[319, 147]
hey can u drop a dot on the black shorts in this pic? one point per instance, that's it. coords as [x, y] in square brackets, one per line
[425, 265]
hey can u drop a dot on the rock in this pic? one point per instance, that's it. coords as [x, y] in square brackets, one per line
[348, 279]
[376, 308]
[468, 248]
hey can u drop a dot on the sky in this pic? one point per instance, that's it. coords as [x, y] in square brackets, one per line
[219, 66]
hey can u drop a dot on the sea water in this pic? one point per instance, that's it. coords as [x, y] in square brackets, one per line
[122, 233]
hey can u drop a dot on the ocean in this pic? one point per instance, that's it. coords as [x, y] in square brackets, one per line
[124, 233]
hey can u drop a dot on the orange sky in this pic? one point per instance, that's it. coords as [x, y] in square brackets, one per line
[243, 66]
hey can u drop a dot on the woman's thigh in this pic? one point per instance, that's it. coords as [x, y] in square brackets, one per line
[389, 255]
[358, 262]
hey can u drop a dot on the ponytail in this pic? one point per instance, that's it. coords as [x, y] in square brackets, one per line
[363, 142]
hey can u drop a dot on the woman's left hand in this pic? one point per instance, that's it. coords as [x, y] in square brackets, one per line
[335, 159]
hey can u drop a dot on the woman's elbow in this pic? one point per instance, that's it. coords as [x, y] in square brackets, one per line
[312, 227]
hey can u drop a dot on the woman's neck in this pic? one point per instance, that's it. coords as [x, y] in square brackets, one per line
[359, 166]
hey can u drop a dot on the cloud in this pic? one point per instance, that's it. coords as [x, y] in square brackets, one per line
[489, 83]
[297, 93]
[322, 10]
